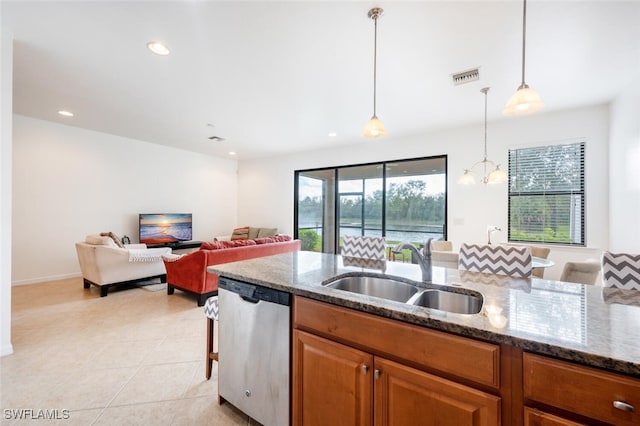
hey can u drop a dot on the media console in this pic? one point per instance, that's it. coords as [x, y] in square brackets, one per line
[179, 245]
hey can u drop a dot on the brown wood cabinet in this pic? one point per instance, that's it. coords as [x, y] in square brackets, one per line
[539, 418]
[331, 383]
[406, 396]
[346, 377]
[583, 391]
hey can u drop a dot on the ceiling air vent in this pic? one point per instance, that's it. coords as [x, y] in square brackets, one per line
[466, 76]
[216, 138]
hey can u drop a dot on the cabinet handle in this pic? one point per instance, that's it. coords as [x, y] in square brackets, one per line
[376, 374]
[621, 405]
[365, 369]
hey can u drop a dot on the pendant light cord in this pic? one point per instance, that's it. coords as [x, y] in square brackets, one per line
[375, 50]
[485, 123]
[524, 37]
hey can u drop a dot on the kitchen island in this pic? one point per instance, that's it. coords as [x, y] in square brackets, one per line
[523, 318]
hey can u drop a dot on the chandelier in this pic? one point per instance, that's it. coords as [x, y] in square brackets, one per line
[495, 174]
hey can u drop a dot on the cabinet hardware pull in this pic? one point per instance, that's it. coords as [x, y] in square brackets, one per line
[376, 374]
[365, 369]
[621, 405]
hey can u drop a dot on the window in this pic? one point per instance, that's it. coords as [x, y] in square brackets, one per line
[401, 200]
[546, 194]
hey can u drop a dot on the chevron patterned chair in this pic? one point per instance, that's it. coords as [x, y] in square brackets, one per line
[495, 259]
[364, 247]
[211, 312]
[621, 270]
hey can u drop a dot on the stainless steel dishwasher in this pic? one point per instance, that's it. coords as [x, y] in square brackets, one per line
[253, 350]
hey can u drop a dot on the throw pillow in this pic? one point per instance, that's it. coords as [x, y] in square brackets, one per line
[237, 243]
[240, 233]
[98, 240]
[266, 240]
[113, 237]
[253, 232]
[211, 245]
[267, 232]
[280, 238]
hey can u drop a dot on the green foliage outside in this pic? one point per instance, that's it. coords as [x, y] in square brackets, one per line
[310, 240]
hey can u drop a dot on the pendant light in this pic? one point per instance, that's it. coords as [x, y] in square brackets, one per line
[525, 100]
[374, 127]
[497, 175]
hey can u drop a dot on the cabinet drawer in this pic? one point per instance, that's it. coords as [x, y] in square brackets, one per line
[582, 390]
[458, 356]
[539, 418]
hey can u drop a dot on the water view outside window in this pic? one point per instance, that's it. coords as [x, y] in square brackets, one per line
[404, 201]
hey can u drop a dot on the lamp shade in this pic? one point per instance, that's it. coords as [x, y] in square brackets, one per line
[467, 178]
[497, 176]
[374, 128]
[524, 101]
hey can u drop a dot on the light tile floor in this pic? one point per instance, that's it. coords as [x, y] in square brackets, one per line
[135, 357]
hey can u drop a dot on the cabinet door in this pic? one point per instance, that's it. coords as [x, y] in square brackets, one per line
[406, 396]
[332, 383]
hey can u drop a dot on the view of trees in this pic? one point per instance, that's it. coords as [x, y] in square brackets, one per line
[546, 194]
[407, 204]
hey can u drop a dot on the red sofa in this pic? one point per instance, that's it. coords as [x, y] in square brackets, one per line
[189, 272]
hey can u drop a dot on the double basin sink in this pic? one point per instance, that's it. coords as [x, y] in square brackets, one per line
[399, 291]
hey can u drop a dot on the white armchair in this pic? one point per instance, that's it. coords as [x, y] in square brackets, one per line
[104, 264]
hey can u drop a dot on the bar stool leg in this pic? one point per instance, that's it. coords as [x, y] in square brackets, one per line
[210, 355]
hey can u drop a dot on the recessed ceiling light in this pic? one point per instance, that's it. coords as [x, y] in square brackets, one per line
[232, 153]
[65, 113]
[158, 48]
[333, 134]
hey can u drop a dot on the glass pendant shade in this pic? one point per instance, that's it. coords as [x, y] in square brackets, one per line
[374, 128]
[497, 176]
[524, 101]
[467, 178]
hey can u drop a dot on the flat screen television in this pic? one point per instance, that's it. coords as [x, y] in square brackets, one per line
[159, 228]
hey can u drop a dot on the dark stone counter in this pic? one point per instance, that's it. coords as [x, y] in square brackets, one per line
[589, 325]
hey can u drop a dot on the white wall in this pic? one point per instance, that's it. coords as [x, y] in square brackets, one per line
[6, 99]
[624, 163]
[69, 182]
[265, 186]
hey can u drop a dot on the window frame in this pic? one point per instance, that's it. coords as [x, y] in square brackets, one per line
[383, 165]
[581, 143]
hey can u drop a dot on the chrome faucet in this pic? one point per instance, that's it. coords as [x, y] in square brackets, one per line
[491, 229]
[422, 259]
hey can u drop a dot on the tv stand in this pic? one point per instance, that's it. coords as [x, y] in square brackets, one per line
[179, 245]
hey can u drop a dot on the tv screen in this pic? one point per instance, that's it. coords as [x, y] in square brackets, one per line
[157, 228]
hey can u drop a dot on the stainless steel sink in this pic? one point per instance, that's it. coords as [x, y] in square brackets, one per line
[385, 288]
[399, 291]
[449, 301]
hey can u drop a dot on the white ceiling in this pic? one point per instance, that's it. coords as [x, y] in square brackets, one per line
[275, 77]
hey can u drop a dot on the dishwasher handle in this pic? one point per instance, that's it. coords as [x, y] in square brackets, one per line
[249, 299]
[254, 293]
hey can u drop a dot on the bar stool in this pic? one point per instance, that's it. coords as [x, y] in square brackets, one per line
[211, 312]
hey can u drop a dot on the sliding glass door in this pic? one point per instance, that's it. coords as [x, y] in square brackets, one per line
[360, 201]
[403, 201]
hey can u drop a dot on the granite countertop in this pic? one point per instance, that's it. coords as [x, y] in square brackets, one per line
[590, 325]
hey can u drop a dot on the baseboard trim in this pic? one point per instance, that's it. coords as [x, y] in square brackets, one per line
[45, 279]
[6, 349]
